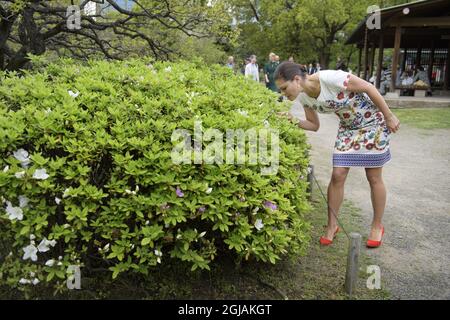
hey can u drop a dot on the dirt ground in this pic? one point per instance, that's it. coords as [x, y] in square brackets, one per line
[415, 255]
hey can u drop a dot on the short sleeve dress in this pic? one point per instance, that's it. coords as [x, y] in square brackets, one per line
[363, 137]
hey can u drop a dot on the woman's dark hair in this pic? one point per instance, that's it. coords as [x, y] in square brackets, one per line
[288, 70]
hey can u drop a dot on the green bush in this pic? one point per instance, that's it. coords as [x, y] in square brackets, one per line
[87, 179]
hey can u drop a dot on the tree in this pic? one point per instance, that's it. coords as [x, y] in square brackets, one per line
[310, 30]
[36, 26]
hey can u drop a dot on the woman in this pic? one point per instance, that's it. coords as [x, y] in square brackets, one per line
[363, 136]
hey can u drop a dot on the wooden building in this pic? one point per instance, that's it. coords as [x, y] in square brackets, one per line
[418, 33]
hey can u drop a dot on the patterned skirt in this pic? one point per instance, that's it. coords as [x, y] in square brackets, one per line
[366, 147]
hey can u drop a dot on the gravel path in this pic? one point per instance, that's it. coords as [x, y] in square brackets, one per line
[415, 255]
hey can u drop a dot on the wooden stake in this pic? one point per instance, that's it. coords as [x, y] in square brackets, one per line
[310, 181]
[351, 276]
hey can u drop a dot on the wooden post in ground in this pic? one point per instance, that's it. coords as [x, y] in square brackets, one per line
[372, 59]
[380, 60]
[430, 65]
[366, 55]
[397, 41]
[359, 62]
[447, 71]
[351, 275]
[310, 181]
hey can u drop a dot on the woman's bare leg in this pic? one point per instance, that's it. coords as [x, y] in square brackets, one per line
[335, 198]
[378, 195]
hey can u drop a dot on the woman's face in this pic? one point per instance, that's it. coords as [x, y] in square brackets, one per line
[290, 89]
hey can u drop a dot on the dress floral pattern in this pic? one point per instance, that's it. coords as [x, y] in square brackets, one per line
[363, 137]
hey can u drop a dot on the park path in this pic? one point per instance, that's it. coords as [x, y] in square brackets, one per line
[415, 255]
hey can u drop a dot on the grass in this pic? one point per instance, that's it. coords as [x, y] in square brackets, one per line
[426, 118]
[318, 275]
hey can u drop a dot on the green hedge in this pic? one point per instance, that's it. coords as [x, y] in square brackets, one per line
[86, 175]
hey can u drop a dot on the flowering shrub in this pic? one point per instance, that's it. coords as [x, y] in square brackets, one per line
[87, 179]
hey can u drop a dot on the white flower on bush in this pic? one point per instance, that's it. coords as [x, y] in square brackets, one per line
[50, 263]
[266, 123]
[35, 281]
[5, 169]
[48, 111]
[23, 157]
[258, 224]
[209, 190]
[255, 211]
[20, 174]
[66, 193]
[44, 245]
[242, 112]
[57, 200]
[24, 281]
[40, 174]
[73, 94]
[30, 252]
[168, 69]
[127, 191]
[15, 213]
[202, 234]
[158, 253]
[32, 237]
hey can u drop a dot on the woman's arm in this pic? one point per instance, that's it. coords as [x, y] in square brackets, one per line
[356, 84]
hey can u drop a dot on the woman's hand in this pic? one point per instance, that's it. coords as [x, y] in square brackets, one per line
[288, 115]
[392, 123]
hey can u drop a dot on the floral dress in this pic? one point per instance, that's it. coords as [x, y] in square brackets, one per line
[363, 137]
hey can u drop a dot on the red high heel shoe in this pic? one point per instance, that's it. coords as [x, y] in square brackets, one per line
[326, 242]
[374, 243]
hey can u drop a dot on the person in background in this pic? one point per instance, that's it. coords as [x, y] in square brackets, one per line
[318, 67]
[251, 69]
[269, 69]
[407, 78]
[277, 59]
[385, 80]
[230, 63]
[340, 65]
[311, 69]
[373, 78]
[398, 77]
[246, 62]
[422, 75]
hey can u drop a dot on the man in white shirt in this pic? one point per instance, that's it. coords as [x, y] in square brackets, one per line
[251, 69]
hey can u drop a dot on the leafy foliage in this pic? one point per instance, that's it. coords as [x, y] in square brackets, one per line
[85, 157]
